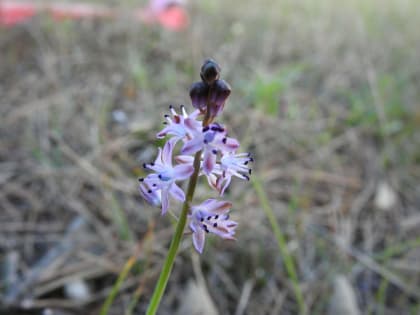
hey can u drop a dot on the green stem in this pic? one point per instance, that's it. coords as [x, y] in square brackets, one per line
[176, 240]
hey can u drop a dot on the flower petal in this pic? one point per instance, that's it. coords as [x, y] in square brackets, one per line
[183, 171]
[199, 237]
[192, 146]
[215, 206]
[151, 196]
[185, 159]
[212, 180]
[227, 179]
[194, 114]
[157, 165]
[192, 124]
[165, 200]
[209, 161]
[177, 192]
[175, 130]
[229, 144]
[224, 229]
[167, 152]
[164, 132]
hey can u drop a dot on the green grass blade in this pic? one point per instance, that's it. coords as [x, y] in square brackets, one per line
[281, 241]
[116, 288]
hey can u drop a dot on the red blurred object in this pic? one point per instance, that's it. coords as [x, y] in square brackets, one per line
[173, 18]
[170, 14]
[78, 11]
[13, 12]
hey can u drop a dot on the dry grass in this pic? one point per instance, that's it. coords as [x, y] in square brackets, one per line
[325, 95]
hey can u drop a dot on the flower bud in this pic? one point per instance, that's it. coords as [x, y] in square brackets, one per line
[199, 92]
[220, 92]
[211, 90]
[210, 71]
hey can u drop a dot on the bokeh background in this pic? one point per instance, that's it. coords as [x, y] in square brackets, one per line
[325, 94]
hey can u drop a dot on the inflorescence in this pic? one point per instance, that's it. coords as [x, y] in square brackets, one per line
[219, 160]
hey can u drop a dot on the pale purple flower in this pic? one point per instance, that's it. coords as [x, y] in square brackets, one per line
[161, 184]
[211, 216]
[230, 164]
[152, 196]
[180, 126]
[211, 177]
[212, 140]
[233, 165]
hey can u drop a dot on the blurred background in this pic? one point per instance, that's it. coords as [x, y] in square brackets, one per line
[325, 94]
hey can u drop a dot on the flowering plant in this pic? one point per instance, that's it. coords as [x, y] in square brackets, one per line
[206, 151]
